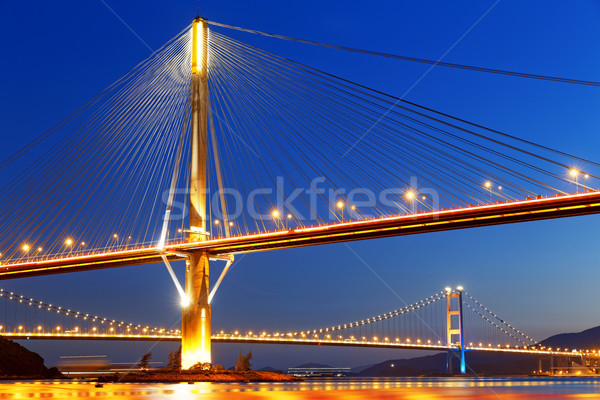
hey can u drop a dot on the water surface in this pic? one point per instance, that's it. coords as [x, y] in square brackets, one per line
[334, 388]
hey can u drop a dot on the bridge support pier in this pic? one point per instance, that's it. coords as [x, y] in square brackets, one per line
[195, 333]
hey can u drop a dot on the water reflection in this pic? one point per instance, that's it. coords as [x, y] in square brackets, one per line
[345, 388]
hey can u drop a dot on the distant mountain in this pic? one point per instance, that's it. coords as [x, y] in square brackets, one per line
[360, 368]
[588, 339]
[408, 367]
[270, 369]
[479, 363]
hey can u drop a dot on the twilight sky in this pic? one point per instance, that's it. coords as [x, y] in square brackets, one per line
[541, 276]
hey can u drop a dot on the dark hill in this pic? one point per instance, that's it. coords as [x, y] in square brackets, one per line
[479, 363]
[486, 363]
[18, 362]
[588, 339]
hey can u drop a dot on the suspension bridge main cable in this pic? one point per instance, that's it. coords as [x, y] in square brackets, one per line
[413, 59]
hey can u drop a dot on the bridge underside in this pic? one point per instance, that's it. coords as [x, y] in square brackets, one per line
[469, 217]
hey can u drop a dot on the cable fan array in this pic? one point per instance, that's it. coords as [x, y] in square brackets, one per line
[340, 151]
[97, 179]
[290, 146]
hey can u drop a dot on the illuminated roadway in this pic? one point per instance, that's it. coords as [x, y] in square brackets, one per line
[423, 222]
[220, 338]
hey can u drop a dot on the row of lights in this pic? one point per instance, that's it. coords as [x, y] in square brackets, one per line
[68, 243]
[409, 341]
[573, 172]
[58, 329]
[411, 307]
[480, 345]
[67, 312]
[26, 247]
[496, 325]
[410, 195]
[509, 325]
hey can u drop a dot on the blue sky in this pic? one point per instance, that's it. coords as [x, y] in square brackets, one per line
[541, 276]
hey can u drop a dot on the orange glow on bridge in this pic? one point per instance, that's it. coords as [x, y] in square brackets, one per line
[422, 222]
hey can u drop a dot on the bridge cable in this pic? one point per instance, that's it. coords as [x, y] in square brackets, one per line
[412, 59]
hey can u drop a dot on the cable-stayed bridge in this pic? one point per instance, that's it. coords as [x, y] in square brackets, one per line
[212, 147]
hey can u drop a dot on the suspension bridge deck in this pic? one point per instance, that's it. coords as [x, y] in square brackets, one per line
[220, 338]
[467, 217]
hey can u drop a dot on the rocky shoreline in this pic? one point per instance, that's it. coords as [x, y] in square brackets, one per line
[199, 376]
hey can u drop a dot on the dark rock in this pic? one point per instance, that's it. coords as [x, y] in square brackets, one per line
[17, 361]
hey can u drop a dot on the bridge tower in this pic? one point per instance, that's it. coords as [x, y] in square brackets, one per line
[454, 327]
[196, 332]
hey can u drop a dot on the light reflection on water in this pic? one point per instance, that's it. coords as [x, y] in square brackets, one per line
[344, 388]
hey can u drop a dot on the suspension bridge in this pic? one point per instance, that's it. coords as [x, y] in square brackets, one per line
[450, 320]
[212, 147]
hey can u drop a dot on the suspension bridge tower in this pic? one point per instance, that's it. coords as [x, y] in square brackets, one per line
[454, 327]
[196, 332]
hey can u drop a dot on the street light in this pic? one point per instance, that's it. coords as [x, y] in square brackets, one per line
[275, 215]
[68, 243]
[488, 186]
[218, 224]
[410, 196]
[340, 206]
[575, 174]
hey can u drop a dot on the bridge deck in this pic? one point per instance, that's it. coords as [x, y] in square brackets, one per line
[459, 218]
[289, 341]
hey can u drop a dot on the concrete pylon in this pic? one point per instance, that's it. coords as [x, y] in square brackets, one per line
[196, 331]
